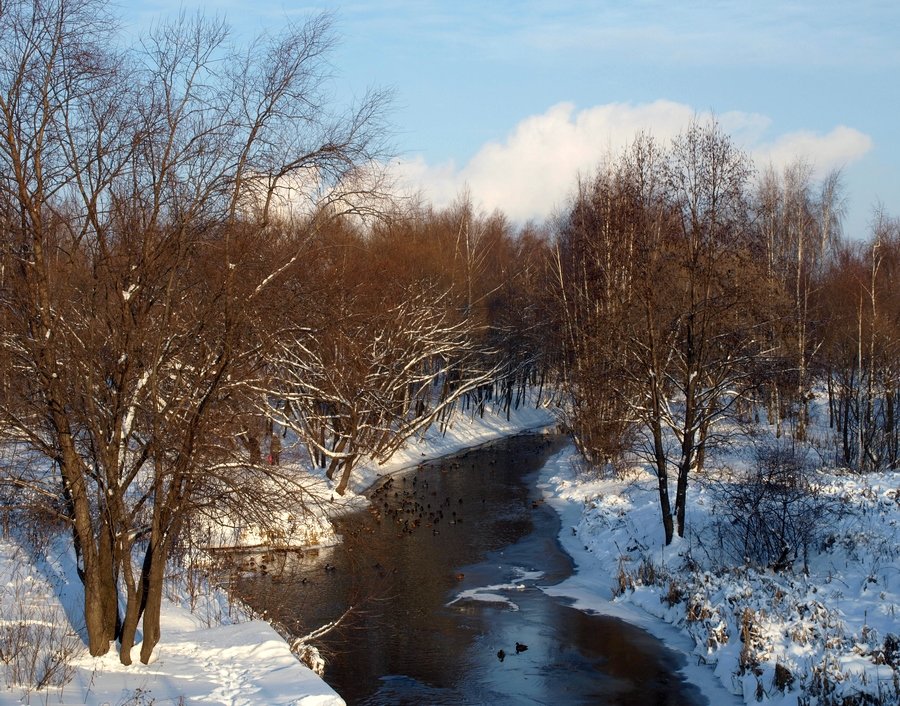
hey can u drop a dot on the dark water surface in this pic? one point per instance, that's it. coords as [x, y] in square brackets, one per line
[445, 571]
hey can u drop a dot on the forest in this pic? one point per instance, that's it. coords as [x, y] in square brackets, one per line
[200, 254]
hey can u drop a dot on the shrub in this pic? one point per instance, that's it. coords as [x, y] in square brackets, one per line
[772, 516]
[784, 679]
[37, 645]
[675, 594]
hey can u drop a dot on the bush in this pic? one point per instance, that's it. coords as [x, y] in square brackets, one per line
[772, 516]
[37, 644]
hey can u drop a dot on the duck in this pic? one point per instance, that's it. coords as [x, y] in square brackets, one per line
[520, 647]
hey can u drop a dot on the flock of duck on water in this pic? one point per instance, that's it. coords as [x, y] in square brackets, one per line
[412, 505]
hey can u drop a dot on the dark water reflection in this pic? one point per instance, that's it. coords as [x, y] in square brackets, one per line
[445, 571]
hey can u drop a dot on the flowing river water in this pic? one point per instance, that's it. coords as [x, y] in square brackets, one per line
[444, 571]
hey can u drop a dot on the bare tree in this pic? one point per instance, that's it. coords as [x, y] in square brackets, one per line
[800, 228]
[364, 383]
[861, 309]
[595, 280]
[662, 303]
[715, 332]
[136, 195]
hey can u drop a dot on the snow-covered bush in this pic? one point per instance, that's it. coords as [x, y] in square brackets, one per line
[773, 514]
[37, 644]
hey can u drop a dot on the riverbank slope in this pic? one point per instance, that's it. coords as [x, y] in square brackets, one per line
[211, 652]
[828, 636]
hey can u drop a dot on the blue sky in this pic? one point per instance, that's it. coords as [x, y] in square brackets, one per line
[513, 99]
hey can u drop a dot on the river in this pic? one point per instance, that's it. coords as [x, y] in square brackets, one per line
[445, 573]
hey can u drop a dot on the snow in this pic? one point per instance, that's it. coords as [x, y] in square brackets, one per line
[211, 652]
[488, 594]
[462, 432]
[310, 526]
[245, 663]
[230, 663]
[803, 635]
[825, 633]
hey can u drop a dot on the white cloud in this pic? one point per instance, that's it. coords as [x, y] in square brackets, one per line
[535, 167]
[823, 152]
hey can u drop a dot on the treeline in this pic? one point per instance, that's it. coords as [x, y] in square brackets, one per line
[387, 328]
[695, 290]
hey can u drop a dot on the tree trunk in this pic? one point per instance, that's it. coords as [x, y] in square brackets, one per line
[665, 508]
[688, 442]
[890, 429]
[845, 431]
[662, 476]
[99, 589]
[129, 624]
[339, 462]
[108, 596]
[776, 409]
[701, 442]
[134, 602]
[681, 493]
[153, 586]
[166, 526]
[345, 476]
[831, 415]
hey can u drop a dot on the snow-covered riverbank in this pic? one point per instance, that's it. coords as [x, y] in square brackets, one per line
[211, 655]
[210, 652]
[307, 524]
[826, 637]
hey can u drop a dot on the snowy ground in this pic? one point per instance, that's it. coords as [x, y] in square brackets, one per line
[210, 653]
[829, 637]
[808, 640]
